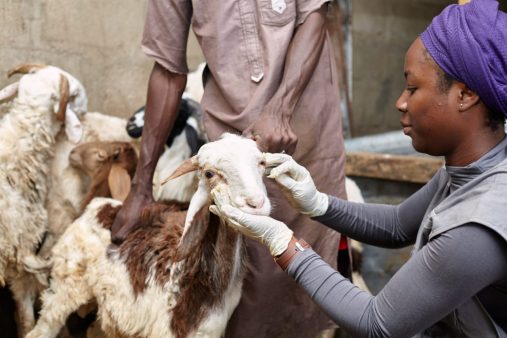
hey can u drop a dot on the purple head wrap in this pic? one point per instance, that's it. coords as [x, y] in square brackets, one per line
[469, 42]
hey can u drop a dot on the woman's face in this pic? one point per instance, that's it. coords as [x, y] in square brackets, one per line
[429, 114]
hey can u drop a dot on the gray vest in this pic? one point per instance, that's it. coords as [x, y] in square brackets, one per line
[483, 200]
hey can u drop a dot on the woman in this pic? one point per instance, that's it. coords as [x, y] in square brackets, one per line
[455, 283]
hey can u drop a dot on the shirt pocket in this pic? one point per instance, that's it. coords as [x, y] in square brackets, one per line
[277, 12]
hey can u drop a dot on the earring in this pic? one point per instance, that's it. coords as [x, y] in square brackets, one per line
[461, 106]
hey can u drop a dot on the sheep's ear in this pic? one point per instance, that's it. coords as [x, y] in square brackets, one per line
[187, 166]
[9, 92]
[119, 182]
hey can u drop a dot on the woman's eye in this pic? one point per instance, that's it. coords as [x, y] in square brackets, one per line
[209, 174]
[411, 90]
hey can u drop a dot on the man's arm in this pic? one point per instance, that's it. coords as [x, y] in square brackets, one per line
[272, 131]
[162, 103]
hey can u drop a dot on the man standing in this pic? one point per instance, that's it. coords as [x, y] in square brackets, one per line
[271, 77]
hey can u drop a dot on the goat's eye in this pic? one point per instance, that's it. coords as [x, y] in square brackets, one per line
[209, 174]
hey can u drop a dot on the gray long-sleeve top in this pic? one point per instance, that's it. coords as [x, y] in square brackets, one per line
[449, 270]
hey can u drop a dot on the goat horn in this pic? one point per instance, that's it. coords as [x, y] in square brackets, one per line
[8, 92]
[64, 98]
[186, 167]
[25, 68]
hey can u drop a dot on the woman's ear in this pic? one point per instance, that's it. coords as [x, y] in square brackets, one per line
[467, 97]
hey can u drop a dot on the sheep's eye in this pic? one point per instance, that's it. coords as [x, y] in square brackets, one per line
[209, 174]
[262, 163]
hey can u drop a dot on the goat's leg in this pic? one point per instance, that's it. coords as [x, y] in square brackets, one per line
[62, 298]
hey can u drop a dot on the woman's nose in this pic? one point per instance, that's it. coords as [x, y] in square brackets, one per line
[401, 103]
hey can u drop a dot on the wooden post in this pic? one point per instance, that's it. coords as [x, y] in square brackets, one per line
[335, 29]
[415, 169]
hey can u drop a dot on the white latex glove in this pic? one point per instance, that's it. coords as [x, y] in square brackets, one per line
[297, 184]
[270, 232]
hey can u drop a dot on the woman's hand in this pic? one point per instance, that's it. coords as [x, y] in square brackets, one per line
[297, 184]
[270, 232]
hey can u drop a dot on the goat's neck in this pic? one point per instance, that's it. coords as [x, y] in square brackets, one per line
[99, 187]
[218, 261]
[217, 247]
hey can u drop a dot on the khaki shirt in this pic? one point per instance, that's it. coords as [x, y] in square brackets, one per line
[245, 43]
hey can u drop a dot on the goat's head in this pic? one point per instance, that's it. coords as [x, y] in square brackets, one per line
[234, 165]
[107, 163]
[53, 89]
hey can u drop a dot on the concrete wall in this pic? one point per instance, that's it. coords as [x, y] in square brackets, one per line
[97, 41]
[382, 31]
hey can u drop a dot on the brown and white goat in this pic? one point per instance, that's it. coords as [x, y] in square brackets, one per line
[180, 275]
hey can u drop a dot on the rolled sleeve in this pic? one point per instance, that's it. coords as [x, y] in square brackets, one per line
[307, 7]
[166, 33]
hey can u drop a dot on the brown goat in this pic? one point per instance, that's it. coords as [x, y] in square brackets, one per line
[110, 165]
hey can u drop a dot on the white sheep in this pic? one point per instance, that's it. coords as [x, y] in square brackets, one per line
[180, 276]
[47, 99]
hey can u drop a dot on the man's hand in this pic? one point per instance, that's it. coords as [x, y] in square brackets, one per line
[270, 232]
[272, 132]
[162, 107]
[128, 218]
[297, 184]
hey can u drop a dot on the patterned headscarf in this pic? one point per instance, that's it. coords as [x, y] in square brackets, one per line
[469, 42]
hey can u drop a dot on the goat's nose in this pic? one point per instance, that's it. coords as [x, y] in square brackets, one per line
[255, 202]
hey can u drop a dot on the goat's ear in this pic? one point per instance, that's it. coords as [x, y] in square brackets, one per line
[25, 68]
[73, 127]
[195, 233]
[119, 182]
[200, 198]
[9, 92]
[64, 98]
[187, 166]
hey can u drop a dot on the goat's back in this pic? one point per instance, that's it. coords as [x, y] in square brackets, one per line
[156, 284]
